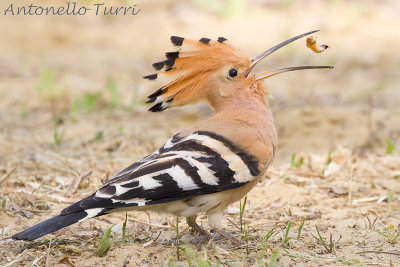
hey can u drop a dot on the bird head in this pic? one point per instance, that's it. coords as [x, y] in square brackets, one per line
[210, 70]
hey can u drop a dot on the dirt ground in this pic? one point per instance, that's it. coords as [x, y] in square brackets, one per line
[72, 114]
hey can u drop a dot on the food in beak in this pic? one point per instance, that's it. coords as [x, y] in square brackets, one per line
[268, 74]
[311, 43]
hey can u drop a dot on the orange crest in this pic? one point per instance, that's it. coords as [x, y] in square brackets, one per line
[192, 67]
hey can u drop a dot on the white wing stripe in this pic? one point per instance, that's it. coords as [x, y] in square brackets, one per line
[91, 213]
[207, 176]
[236, 164]
[184, 181]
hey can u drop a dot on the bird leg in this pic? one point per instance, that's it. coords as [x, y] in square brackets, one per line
[191, 221]
[204, 235]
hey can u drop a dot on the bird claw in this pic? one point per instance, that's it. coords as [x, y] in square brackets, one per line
[215, 234]
[200, 240]
[236, 242]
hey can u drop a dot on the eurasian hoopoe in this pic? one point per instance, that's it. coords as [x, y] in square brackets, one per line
[202, 169]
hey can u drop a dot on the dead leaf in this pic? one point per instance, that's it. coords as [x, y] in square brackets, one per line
[26, 213]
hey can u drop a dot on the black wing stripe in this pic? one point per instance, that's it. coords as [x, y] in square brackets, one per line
[88, 203]
[190, 145]
[164, 193]
[220, 168]
[130, 185]
[249, 160]
[236, 164]
[190, 171]
[130, 168]
[163, 152]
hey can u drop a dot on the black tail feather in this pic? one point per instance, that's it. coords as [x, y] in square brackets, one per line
[50, 225]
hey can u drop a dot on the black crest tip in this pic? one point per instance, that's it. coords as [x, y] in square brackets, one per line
[177, 40]
[205, 40]
[222, 39]
[150, 77]
[170, 55]
[157, 107]
[158, 65]
[169, 64]
[156, 93]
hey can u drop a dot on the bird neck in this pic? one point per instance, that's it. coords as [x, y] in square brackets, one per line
[246, 105]
[246, 119]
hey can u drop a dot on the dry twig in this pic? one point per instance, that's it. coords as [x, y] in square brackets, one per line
[379, 252]
[8, 174]
[76, 182]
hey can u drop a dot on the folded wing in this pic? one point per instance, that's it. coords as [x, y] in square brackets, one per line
[201, 163]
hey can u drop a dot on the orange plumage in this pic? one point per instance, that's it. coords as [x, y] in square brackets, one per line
[194, 68]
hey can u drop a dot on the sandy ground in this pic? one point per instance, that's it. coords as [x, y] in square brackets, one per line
[337, 121]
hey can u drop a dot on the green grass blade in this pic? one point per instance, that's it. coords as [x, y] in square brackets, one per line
[274, 257]
[300, 229]
[390, 147]
[124, 229]
[269, 234]
[105, 243]
[293, 160]
[286, 237]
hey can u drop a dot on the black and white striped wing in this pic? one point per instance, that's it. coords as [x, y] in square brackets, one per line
[201, 163]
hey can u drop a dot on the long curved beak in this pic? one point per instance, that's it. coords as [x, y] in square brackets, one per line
[268, 74]
[273, 49]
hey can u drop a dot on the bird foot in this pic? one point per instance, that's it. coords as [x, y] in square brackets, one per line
[236, 242]
[200, 240]
[204, 235]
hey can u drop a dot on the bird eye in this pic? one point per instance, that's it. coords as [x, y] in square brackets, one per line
[233, 73]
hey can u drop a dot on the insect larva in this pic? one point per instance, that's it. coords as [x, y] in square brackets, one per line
[311, 43]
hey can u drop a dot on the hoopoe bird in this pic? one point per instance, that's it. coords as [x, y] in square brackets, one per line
[202, 169]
